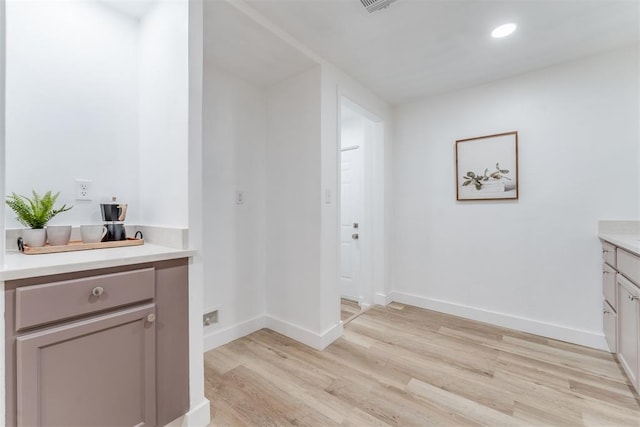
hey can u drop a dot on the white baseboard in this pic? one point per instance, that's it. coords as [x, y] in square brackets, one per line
[198, 416]
[330, 335]
[305, 336]
[381, 299]
[214, 338]
[549, 330]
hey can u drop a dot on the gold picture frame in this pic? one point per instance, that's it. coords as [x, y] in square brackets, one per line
[487, 167]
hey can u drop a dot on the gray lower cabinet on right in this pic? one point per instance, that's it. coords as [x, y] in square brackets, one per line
[628, 327]
[621, 308]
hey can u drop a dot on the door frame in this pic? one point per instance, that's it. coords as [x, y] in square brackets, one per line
[371, 228]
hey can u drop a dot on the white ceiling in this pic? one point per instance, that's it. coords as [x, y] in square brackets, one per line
[237, 44]
[422, 47]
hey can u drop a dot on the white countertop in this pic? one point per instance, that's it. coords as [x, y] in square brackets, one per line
[627, 241]
[20, 266]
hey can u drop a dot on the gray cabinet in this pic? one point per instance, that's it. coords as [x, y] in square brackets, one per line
[609, 294]
[629, 328]
[621, 308]
[106, 347]
[94, 372]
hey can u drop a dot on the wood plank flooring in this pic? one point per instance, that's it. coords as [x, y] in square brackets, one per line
[404, 366]
[348, 310]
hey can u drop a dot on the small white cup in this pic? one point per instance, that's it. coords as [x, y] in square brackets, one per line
[92, 233]
[58, 235]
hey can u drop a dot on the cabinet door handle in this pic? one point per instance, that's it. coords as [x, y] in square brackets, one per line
[605, 272]
[634, 298]
[604, 251]
[97, 291]
[606, 312]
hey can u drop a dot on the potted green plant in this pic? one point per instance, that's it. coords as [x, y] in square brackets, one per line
[35, 213]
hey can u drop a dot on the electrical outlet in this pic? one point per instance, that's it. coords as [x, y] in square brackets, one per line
[83, 189]
[210, 318]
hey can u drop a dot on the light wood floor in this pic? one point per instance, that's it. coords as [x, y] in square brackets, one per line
[348, 310]
[404, 366]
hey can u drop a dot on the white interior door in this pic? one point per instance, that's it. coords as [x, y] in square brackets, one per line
[350, 217]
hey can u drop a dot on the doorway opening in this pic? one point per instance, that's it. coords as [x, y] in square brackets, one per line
[361, 136]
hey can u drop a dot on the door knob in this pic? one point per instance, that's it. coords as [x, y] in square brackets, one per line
[355, 236]
[151, 318]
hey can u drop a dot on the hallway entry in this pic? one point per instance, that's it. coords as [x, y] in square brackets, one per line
[358, 133]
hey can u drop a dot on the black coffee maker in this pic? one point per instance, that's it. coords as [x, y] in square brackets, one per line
[113, 215]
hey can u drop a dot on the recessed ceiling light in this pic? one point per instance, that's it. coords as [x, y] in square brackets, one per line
[503, 30]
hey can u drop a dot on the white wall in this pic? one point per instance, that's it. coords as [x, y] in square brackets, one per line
[293, 200]
[531, 264]
[163, 107]
[199, 413]
[2, 179]
[71, 104]
[2, 151]
[234, 155]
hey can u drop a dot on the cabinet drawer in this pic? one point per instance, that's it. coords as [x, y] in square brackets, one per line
[610, 326]
[609, 254]
[629, 265]
[50, 302]
[609, 286]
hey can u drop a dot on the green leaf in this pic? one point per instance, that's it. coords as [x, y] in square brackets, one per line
[471, 174]
[35, 212]
[478, 186]
[464, 184]
[504, 170]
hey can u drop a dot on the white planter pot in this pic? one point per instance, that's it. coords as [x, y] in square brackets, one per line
[34, 237]
[58, 235]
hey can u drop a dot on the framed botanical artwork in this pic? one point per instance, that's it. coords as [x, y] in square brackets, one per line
[487, 167]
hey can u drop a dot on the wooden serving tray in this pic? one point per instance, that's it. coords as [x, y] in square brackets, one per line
[77, 245]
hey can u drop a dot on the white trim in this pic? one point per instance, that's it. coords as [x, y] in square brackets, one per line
[198, 416]
[349, 148]
[303, 335]
[364, 306]
[330, 335]
[537, 327]
[215, 338]
[381, 299]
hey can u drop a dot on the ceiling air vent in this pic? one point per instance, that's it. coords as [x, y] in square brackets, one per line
[373, 5]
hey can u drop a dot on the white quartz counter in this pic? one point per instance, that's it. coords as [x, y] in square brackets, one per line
[623, 234]
[20, 266]
[628, 242]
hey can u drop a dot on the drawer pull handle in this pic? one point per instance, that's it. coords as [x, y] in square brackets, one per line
[634, 298]
[97, 291]
[604, 251]
[605, 272]
[151, 318]
[606, 312]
